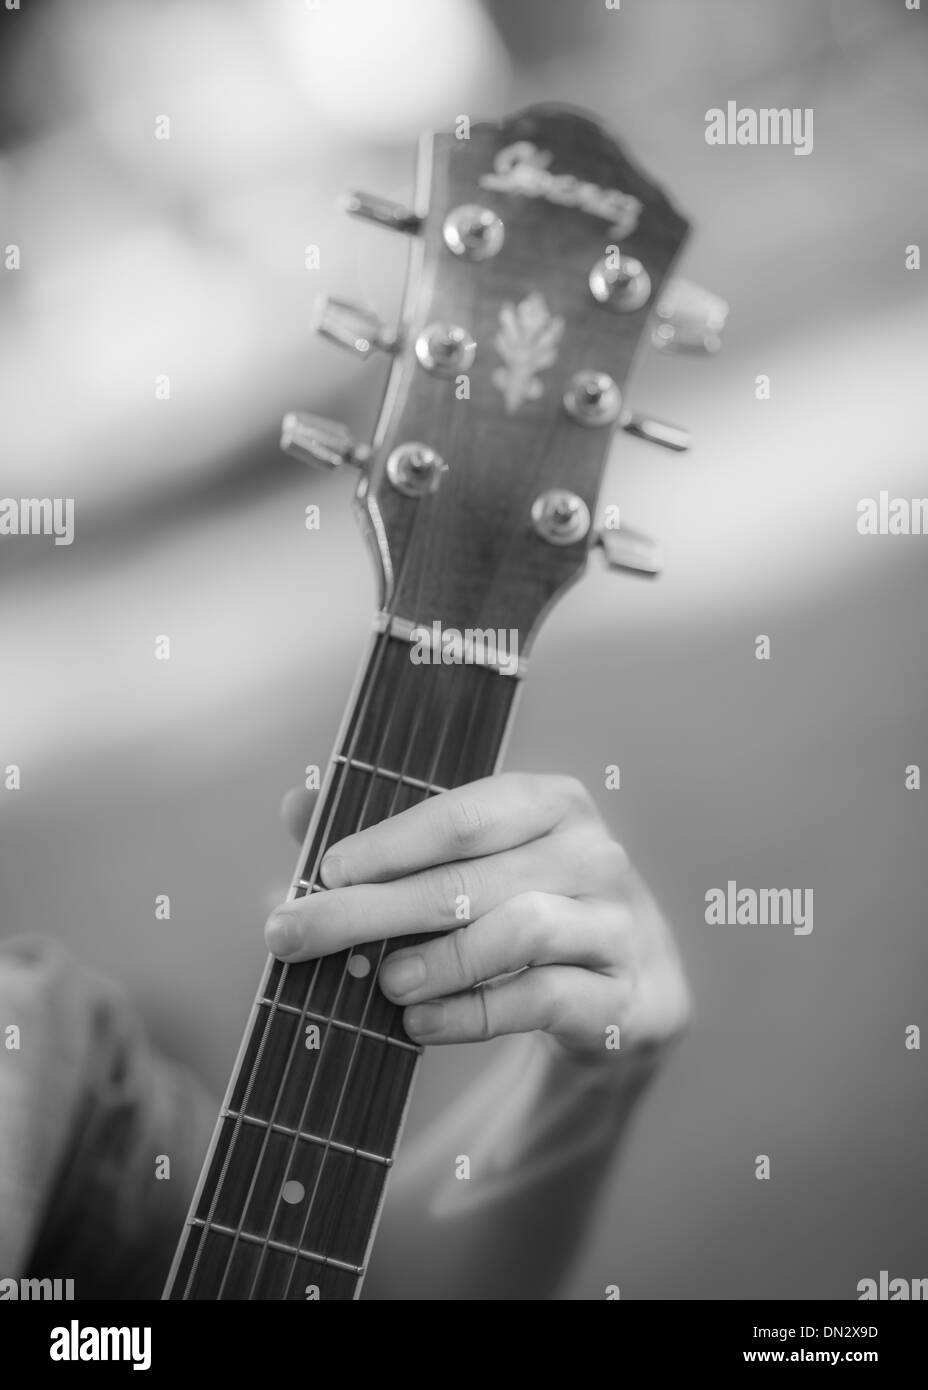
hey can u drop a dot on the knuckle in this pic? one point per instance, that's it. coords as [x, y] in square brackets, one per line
[468, 821]
[615, 857]
[554, 1000]
[439, 892]
[679, 1006]
[484, 1028]
[620, 923]
[521, 784]
[462, 964]
[531, 918]
[573, 793]
[430, 897]
[455, 885]
[602, 860]
[327, 923]
[663, 1007]
[336, 919]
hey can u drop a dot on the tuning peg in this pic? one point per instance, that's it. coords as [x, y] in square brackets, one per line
[657, 432]
[314, 439]
[353, 327]
[382, 211]
[624, 287]
[626, 549]
[689, 319]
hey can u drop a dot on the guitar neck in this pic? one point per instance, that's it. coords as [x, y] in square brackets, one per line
[292, 1187]
[522, 320]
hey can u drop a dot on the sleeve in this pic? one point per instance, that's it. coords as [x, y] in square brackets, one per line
[540, 1132]
[101, 1138]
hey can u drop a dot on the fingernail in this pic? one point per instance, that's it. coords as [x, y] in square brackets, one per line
[425, 1020]
[282, 933]
[401, 975]
[333, 872]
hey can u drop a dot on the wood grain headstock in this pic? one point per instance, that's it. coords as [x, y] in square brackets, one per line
[539, 256]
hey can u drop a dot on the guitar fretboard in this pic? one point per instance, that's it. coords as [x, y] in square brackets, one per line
[291, 1191]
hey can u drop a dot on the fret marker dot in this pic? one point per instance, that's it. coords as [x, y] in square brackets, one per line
[359, 966]
[293, 1192]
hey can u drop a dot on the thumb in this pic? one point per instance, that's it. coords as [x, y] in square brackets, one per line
[295, 811]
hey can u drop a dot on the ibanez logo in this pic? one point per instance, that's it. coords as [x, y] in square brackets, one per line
[523, 168]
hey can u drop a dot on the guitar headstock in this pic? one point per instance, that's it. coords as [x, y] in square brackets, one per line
[539, 269]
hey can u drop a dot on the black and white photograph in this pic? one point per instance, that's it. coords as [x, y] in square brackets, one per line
[463, 669]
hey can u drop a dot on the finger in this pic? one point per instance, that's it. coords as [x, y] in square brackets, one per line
[485, 817]
[577, 1005]
[323, 922]
[296, 808]
[530, 929]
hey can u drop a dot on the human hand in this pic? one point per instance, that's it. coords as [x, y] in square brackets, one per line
[520, 874]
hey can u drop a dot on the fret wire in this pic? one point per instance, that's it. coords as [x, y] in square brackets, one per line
[449, 716]
[279, 1128]
[346, 1027]
[357, 710]
[277, 1245]
[373, 985]
[364, 720]
[461, 774]
[403, 630]
[356, 733]
[375, 973]
[256, 1065]
[360, 818]
[368, 681]
[402, 777]
[323, 841]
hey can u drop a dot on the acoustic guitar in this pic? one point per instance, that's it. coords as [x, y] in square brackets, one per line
[539, 268]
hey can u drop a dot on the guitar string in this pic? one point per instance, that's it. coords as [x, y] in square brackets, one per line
[398, 785]
[371, 988]
[485, 686]
[452, 706]
[335, 1197]
[292, 1052]
[369, 683]
[336, 787]
[375, 660]
[374, 974]
[359, 817]
[323, 1244]
[426, 540]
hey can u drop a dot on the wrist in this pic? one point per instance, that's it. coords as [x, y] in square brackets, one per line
[601, 1067]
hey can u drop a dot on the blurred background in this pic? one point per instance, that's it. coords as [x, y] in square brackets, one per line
[185, 257]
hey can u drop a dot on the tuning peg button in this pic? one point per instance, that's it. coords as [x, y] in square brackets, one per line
[314, 439]
[689, 319]
[657, 432]
[626, 549]
[352, 327]
[474, 232]
[624, 286]
[560, 517]
[382, 211]
[592, 398]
